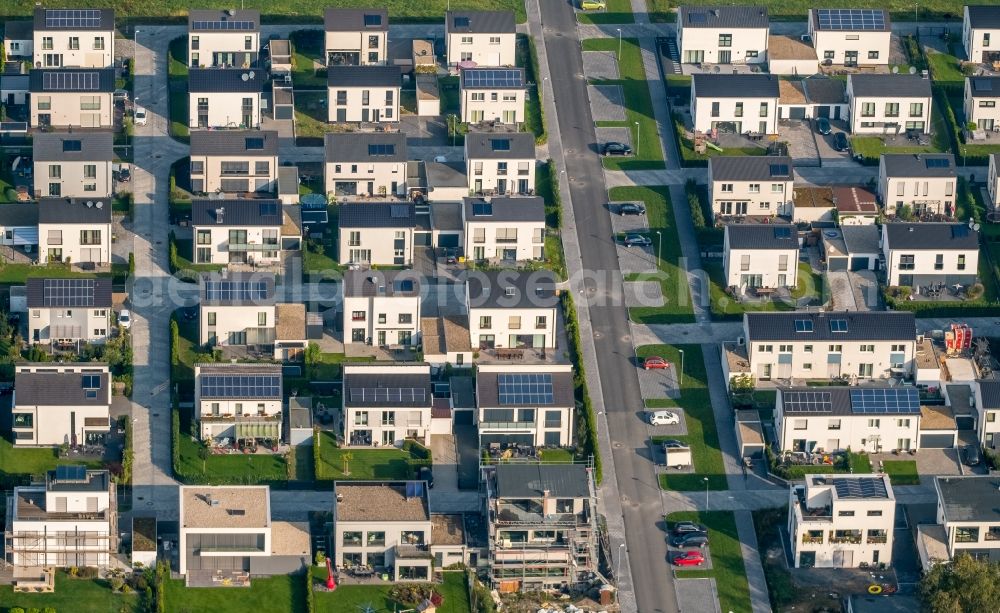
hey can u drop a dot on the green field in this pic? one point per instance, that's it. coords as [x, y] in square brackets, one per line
[727, 558]
[72, 595]
[278, 593]
[355, 597]
[796, 10]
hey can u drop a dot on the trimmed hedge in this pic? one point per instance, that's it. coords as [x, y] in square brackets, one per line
[420, 455]
[586, 423]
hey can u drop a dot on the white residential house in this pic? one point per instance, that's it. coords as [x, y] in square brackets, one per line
[968, 521]
[751, 186]
[722, 34]
[61, 403]
[384, 404]
[981, 33]
[72, 97]
[483, 37]
[19, 225]
[356, 37]
[225, 97]
[74, 230]
[73, 38]
[243, 231]
[381, 307]
[889, 103]
[69, 310]
[18, 38]
[363, 94]
[980, 102]
[236, 309]
[507, 229]
[737, 103]
[987, 398]
[69, 521]
[238, 401]
[930, 253]
[500, 163]
[234, 161]
[824, 345]
[365, 165]
[377, 233]
[511, 309]
[851, 37]
[761, 255]
[924, 182]
[492, 95]
[841, 521]
[217, 38]
[73, 164]
[506, 415]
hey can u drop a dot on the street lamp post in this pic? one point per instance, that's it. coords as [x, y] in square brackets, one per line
[619, 46]
[659, 248]
[705, 479]
[638, 138]
[682, 366]
[618, 571]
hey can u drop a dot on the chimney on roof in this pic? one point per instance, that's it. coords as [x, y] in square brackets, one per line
[220, 214]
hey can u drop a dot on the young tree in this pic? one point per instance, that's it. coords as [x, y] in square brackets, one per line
[347, 457]
[967, 584]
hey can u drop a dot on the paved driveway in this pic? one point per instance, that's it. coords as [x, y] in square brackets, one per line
[801, 144]
[824, 144]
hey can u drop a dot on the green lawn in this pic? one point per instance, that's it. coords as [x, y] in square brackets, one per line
[639, 106]
[311, 115]
[324, 266]
[871, 147]
[34, 461]
[618, 11]
[557, 456]
[902, 472]
[686, 146]
[727, 558]
[177, 73]
[534, 116]
[232, 469]
[307, 51]
[796, 10]
[185, 257]
[349, 598]
[76, 595]
[329, 366]
[857, 463]
[973, 153]
[702, 436]
[367, 464]
[725, 307]
[546, 188]
[18, 273]
[945, 69]
[278, 593]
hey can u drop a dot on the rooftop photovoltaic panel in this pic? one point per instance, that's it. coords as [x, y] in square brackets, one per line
[83, 18]
[403, 285]
[851, 19]
[461, 22]
[244, 291]
[222, 25]
[697, 18]
[500, 144]
[399, 211]
[901, 400]
[373, 20]
[838, 325]
[268, 208]
[959, 231]
[863, 487]
[782, 233]
[388, 394]
[255, 143]
[807, 402]
[525, 388]
[803, 325]
[72, 145]
[779, 170]
[74, 472]
[493, 78]
[241, 386]
[68, 293]
[937, 162]
[982, 85]
[70, 81]
[382, 149]
[482, 209]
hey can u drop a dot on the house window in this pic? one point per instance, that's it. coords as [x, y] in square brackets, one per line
[237, 237]
[197, 167]
[765, 348]
[902, 423]
[24, 420]
[541, 322]
[90, 171]
[388, 418]
[373, 42]
[867, 109]
[833, 424]
[55, 237]
[365, 97]
[47, 43]
[865, 370]
[494, 40]
[752, 53]
[514, 322]
[55, 171]
[987, 104]
[892, 109]
[800, 424]
[874, 423]
[782, 262]
[873, 55]
[90, 237]
[715, 109]
[725, 40]
[90, 103]
[486, 322]
[939, 261]
[262, 168]
[949, 189]
[739, 110]
[966, 534]
[248, 43]
[262, 318]
[99, 43]
[906, 262]
[745, 262]
[835, 348]
[808, 348]
[961, 261]
[354, 239]
[727, 188]
[986, 39]
[763, 109]
[204, 237]
[74, 43]
[754, 188]
[195, 42]
[828, 55]
[211, 319]
[44, 103]
[777, 188]
[916, 109]
[406, 318]
[868, 348]
[357, 315]
[479, 235]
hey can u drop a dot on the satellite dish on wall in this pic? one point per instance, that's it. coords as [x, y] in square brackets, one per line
[245, 76]
[913, 70]
[251, 75]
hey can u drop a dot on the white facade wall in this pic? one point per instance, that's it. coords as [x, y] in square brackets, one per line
[186, 533]
[955, 262]
[53, 425]
[503, 325]
[89, 179]
[370, 531]
[764, 197]
[53, 549]
[743, 114]
[827, 359]
[225, 110]
[870, 48]
[871, 433]
[371, 47]
[503, 105]
[518, 241]
[511, 176]
[984, 111]
[212, 246]
[707, 45]
[491, 49]
[376, 245]
[978, 41]
[19, 48]
[95, 324]
[212, 176]
[788, 66]
[62, 242]
[73, 49]
[776, 267]
[234, 49]
[365, 179]
[229, 320]
[348, 103]
[549, 420]
[393, 317]
[880, 115]
[921, 194]
[63, 109]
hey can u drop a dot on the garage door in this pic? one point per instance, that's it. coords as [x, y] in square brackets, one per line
[823, 111]
[796, 112]
[284, 112]
[463, 418]
[836, 264]
[859, 264]
[422, 239]
[937, 441]
[447, 240]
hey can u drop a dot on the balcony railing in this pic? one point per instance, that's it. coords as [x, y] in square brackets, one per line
[506, 241]
[874, 540]
[818, 540]
[253, 246]
[506, 425]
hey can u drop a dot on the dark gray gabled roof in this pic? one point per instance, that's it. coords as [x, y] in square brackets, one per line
[236, 212]
[74, 210]
[931, 236]
[73, 147]
[533, 480]
[488, 391]
[81, 80]
[81, 20]
[888, 86]
[984, 16]
[225, 80]
[861, 326]
[480, 22]
[828, 19]
[68, 293]
[18, 29]
[210, 21]
[984, 87]
[735, 86]
[364, 76]
[61, 389]
[990, 392]
[504, 209]
[500, 146]
[378, 215]
[723, 17]
[387, 389]
[356, 20]
[511, 289]
[970, 498]
[19, 214]
[751, 168]
[850, 400]
[817, 401]
[236, 289]
[385, 283]
[916, 165]
[251, 143]
[762, 236]
[365, 147]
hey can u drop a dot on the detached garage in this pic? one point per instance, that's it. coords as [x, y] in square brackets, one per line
[938, 429]
[749, 434]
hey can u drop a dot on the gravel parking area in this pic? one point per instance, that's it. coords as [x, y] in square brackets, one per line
[606, 102]
[636, 259]
[697, 595]
[599, 65]
[658, 383]
[643, 294]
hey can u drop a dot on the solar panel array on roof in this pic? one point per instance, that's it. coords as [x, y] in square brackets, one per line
[500, 144]
[851, 19]
[936, 162]
[241, 386]
[399, 211]
[72, 145]
[244, 291]
[697, 18]
[268, 208]
[863, 487]
[807, 402]
[388, 394]
[68, 292]
[982, 85]
[373, 20]
[461, 22]
[959, 231]
[91, 382]
[482, 209]
[803, 325]
[779, 170]
[74, 472]
[403, 285]
[69, 81]
[525, 388]
[222, 25]
[903, 400]
[838, 325]
[82, 18]
[782, 233]
[493, 78]
[382, 149]
[255, 143]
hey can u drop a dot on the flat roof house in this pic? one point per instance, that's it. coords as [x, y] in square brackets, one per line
[225, 97]
[926, 254]
[511, 309]
[506, 229]
[377, 233]
[384, 404]
[851, 37]
[223, 38]
[852, 248]
[363, 94]
[73, 164]
[528, 405]
[69, 310]
[754, 186]
[841, 521]
[234, 161]
[761, 255]
[493, 95]
[62, 403]
[924, 182]
[236, 309]
[737, 103]
[81, 38]
[722, 34]
[500, 163]
[981, 33]
[968, 521]
[356, 37]
[19, 225]
[483, 37]
[856, 205]
[65, 97]
[243, 231]
[18, 38]
[70, 520]
[889, 103]
[365, 165]
[381, 307]
[75, 230]
[980, 102]
[238, 401]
